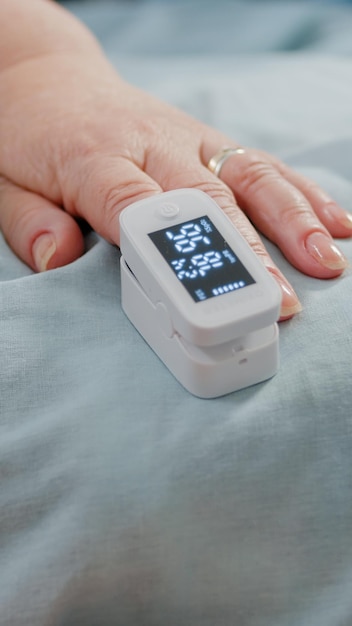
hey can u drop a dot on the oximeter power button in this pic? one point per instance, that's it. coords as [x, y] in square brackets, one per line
[168, 210]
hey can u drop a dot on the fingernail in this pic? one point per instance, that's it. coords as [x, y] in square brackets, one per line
[346, 220]
[43, 249]
[290, 304]
[323, 250]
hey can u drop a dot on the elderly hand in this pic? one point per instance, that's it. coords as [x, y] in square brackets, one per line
[78, 141]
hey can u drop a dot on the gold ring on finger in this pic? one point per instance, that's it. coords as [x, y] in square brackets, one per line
[217, 161]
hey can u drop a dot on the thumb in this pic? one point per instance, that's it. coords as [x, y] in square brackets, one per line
[38, 231]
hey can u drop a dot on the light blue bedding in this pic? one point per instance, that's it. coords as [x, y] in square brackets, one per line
[124, 500]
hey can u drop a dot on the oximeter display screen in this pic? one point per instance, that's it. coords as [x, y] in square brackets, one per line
[201, 258]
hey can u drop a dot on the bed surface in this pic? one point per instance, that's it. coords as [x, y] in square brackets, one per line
[124, 500]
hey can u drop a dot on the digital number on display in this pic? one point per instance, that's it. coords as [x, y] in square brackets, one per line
[201, 259]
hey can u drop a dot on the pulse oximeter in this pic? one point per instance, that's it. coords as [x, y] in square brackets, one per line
[198, 294]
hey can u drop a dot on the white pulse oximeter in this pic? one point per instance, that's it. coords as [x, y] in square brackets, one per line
[197, 293]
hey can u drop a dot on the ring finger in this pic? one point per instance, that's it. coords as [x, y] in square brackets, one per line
[281, 211]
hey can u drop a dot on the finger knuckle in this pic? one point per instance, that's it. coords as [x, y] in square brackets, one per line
[113, 200]
[257, 175]
[218, 191]
[294, 212]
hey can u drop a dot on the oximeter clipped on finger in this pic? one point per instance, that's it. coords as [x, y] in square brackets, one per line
[197, 293]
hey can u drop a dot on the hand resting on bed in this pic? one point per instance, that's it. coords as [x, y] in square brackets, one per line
[77, 141]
